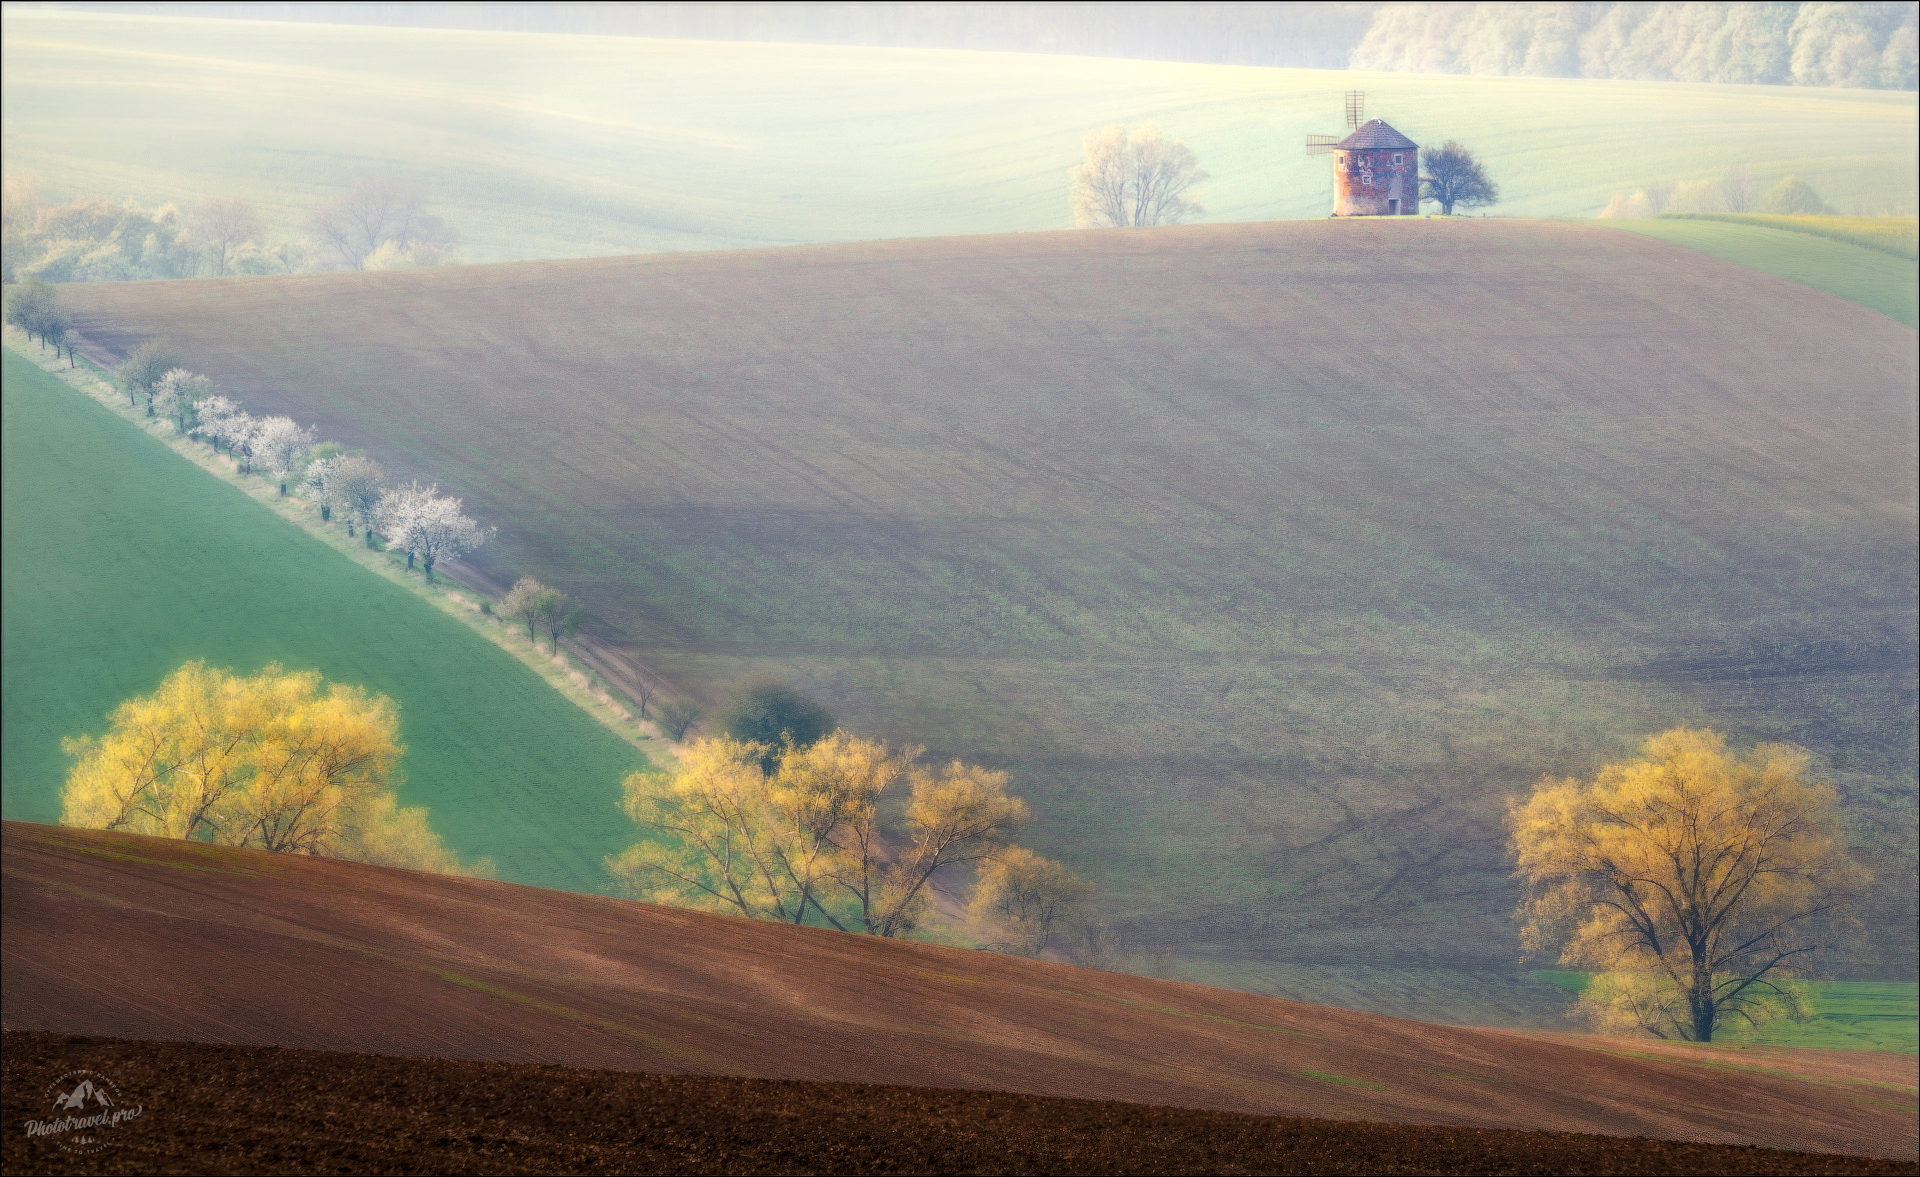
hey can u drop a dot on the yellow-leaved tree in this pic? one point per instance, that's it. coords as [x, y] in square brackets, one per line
[805, 841]
[1022, 902]
[271, 761]
[1695, 881]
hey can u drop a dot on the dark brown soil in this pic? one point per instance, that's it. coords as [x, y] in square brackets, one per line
[236, 1109]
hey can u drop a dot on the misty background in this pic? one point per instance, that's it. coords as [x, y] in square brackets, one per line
[1867, 45]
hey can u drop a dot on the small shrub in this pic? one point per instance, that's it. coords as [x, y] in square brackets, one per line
[677, 716]
[1792, 197]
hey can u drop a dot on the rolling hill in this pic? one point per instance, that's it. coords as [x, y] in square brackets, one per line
[120, 561]
[1270, 559]
[111, 934]
[542, 146]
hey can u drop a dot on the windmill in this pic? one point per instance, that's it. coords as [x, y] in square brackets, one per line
[1376, 169]
[1356, 112]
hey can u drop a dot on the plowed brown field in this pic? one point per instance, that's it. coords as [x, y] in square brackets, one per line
[130, 937]
[238, 1109]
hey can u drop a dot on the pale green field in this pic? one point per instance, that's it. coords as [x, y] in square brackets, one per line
[1871, 277]
[551, 146]
[1896, 235]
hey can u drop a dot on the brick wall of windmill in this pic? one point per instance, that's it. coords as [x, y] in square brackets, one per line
[1366, 182]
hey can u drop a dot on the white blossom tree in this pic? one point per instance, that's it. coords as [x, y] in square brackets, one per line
[394, 516]
[178, 394]
[223, 422]
[243, 431]
[318, 483]
[358, 486]
[279, 443]
[421, 521]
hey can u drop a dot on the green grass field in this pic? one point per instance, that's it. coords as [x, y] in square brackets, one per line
[558, 146]
[1270, 559]
[1895, 235]
[1848, 1015]
[122, 561]
[1877, 278]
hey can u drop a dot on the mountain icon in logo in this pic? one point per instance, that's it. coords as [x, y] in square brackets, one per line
[78, 1097]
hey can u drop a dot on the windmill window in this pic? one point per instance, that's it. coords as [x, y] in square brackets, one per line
[1399, 159]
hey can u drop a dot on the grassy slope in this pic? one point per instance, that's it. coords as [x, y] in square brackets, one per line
[1269, 579]
[1895, 235]
[1875, 278]
[1848, 1015]
[1851, 1015]
[543, 146]
[121, 561]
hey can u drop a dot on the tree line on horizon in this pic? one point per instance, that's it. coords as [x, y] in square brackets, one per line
[380, 223]
[1869, 45]
[1732, 191]
[1861, 45]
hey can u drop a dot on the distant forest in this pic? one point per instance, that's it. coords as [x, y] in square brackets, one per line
[1870, 45]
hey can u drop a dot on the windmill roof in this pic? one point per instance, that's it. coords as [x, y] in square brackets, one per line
[1374, 133]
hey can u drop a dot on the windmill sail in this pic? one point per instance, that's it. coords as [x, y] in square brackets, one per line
[1321, 144]
[1356, 108]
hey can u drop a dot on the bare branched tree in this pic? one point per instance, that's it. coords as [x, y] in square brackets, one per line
[1736, 189]
[380, 216]
[224, 224]
[678, 715]
[1134, 182]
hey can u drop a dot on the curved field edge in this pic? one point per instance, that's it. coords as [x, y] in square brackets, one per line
[318, 954]
[122, 562]
[1877, 278]
[1899, 236]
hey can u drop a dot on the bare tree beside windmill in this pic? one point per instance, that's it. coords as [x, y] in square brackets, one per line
[1376, 169]
[1134, 182]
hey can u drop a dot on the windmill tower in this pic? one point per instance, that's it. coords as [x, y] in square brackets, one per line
[1376, 169]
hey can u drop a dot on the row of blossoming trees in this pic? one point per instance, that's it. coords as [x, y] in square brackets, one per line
[415, 519]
